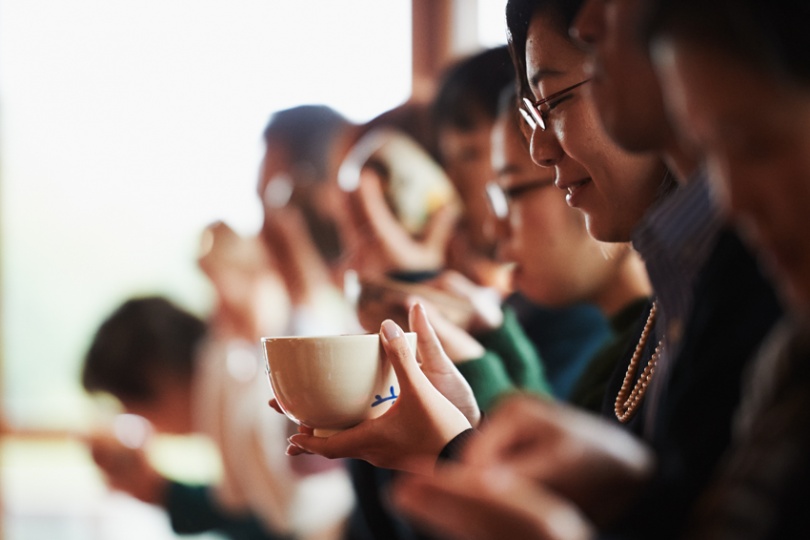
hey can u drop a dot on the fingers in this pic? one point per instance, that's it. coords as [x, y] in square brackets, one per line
[473, 503]
[515, 430]
[377, 214]
[275, 406]
[456, 283]
[442, 225]
[399, 353]
[455, 342]
[428, 347]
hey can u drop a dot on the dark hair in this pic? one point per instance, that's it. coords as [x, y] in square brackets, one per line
[469, 89]
[519, 14]
[307, 132]
[769, 35]
[141, 338]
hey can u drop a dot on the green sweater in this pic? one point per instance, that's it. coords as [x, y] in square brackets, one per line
[510, 364]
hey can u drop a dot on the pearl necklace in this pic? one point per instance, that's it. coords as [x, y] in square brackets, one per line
[628, 400]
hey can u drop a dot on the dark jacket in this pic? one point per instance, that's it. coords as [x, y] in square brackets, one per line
[734, 309]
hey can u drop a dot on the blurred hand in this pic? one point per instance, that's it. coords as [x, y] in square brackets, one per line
[485, 313]
[127, 469]
[536, 470]
[410, 435]
[287, 238]
[481, 269]
[383, 298]
[471, 503]
[381, 244]
[598, 466]
[378, 301]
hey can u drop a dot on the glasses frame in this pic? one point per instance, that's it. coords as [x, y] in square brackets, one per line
[536, 117]
[502, 199]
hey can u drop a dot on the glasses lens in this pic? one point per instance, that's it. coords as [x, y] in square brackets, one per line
[527, 117]
[535, 114]
[497, 200]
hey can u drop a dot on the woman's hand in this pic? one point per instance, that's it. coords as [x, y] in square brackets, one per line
[439, 368]
[411, 434]
[597, 465]
[471, 503]
[536, 470]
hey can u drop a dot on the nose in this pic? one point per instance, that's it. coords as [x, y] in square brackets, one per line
[587, 26]
[545, 149]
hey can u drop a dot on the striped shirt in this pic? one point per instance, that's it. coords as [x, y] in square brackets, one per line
[675, 240]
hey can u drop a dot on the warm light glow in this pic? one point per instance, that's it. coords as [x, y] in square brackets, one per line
[127, 127]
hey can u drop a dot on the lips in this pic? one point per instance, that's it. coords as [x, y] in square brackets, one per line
[573, 190]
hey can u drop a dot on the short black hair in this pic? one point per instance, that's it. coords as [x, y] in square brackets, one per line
[142, 337]
[307, 132]
[519, 14]
[469, 89]
[771, 35]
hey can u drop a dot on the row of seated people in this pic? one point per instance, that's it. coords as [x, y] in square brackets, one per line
[605, 311]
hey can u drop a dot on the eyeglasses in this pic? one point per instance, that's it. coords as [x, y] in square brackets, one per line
[501, 199]
[535, 115]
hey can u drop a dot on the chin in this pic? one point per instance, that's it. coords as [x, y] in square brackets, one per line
[546, 298]
[607, 232]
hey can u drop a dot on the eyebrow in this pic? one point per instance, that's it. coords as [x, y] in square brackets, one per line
[541, 74]
[508, 168]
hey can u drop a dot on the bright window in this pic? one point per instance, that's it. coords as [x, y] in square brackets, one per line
[127, 126]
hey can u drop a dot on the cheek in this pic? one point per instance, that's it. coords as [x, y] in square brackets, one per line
[576, 133]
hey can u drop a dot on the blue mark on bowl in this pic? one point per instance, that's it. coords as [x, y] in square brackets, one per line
[379, 399]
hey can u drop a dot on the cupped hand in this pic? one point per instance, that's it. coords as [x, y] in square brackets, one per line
[485, 312]
[411, 434]
[472, 503]
[384, 243]
[597, 465]
[127, 469]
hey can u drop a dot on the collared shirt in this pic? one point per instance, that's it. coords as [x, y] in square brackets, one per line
[675, 240]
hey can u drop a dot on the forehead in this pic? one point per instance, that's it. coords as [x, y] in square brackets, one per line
[550, 52]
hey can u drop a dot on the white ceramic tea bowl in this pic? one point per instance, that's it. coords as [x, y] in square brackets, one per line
[331, 383]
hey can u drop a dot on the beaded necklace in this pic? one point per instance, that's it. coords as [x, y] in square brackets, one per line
[629, 399]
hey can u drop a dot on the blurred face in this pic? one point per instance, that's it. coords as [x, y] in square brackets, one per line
[465, 155]
[753, 130]
[557, 262]
[283, 183]
[612, 187]
[169, 411]
[624, 86]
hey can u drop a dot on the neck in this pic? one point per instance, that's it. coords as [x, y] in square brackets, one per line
[628, 284]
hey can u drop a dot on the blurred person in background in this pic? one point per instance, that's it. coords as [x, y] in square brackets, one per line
[188, 376]
[302, 210]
